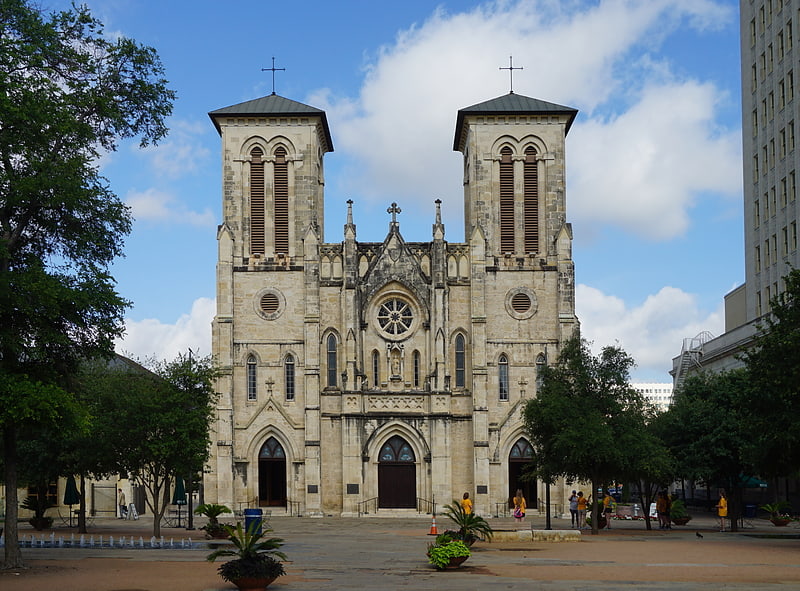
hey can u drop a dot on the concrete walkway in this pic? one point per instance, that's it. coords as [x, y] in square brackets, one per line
[376, 553]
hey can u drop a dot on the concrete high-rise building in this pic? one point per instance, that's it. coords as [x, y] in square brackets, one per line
[769, 38]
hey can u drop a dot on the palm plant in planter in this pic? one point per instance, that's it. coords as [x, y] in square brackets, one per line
[678, 513]
[777, 513]
[39, 505]
[213, 529]
[254, 566]
[471, 527]
[447, 552]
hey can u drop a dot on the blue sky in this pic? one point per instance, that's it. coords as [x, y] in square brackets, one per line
[654, 187]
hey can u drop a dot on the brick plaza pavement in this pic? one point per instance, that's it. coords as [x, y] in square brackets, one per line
[376, 553]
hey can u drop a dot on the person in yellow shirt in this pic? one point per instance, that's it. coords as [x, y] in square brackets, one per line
[519, 506]
[722, 509]
[583, 504]
[466, 503]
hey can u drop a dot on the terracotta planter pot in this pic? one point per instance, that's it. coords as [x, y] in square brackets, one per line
[781, 522]
[253, 584]
[681, 520]
[456, 561]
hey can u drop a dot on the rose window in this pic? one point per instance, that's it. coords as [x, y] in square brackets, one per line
[395, 317]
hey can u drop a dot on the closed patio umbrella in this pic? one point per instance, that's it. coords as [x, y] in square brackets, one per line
[179, 496]
[71, 495]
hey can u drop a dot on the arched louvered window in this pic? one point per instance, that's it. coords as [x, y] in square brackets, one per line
[460, 362]
[417, 369]
[257, 201]
[288, 377]
[376, 369]
[281, 218]
[506, 200]
[502, 371]
[531, 201]
[331, 357]
[252, 392]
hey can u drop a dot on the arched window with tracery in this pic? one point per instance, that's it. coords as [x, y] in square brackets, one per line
[252, 374]
[506, 200]
[281, 188]
[288, 377]
[331, 359]
[531, 200]
[461, 361]
[502, 371]
[257, 201]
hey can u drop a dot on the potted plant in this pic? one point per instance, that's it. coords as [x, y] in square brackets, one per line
[678, 513]
[447, 552]
[254, 566]
[39, 505]
[471, 527]
[214, 529]
[777, 513]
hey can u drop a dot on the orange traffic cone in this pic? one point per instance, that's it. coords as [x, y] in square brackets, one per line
[433, 531]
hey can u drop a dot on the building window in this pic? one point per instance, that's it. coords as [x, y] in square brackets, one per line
[281, 187]
[395, 316]
[288, 373]
[531, 201]
[256, 201]
[252, 374]
[758, 259]
[502, 374]
[785, 241]
[376, 369]
[460, 362]
[417, 369]
[331, 357]
[790, 136]
[506, 201]
[784, 191]
[756, 214]
[792, 188]
[793, 236]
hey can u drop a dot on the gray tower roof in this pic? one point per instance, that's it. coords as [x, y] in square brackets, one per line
[508, 104]
[271, 106]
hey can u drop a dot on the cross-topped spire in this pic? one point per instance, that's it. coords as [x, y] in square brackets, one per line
[273, 69]
[394, 210]
[511, 69]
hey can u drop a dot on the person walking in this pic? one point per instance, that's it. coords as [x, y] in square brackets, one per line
[466, 503]
[583, 502]
[519, 506]
[123, 506]
[573, 508]
[661, 509]
[609, 504]
[722, 509]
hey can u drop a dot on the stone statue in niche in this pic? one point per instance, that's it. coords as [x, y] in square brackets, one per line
[395, 363]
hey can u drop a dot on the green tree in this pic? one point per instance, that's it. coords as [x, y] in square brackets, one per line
[709, 431]
[774, 368]
[68, 92]
[157, 424]
[583, 416]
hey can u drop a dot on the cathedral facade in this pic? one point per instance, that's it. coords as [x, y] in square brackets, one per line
[385, 376]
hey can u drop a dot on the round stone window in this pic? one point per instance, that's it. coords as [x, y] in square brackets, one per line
[269, 303]
[521, 303]
[395, 316]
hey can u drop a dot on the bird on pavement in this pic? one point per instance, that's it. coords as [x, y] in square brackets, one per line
[698, 534]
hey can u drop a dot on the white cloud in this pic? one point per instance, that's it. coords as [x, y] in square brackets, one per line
[652, 333]
[151, 338]
[161, 206]
[582, 54]
[182, 153]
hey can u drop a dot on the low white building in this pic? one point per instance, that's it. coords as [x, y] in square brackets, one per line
[658, 393]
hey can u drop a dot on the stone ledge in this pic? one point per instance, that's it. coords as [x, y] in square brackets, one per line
[537, 535]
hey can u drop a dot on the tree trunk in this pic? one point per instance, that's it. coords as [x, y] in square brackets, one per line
[82, 508]
[595, 508]
[13, 556]
[735, 507]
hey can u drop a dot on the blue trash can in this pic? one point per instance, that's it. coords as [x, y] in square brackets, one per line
[251, 516]
[750, 511]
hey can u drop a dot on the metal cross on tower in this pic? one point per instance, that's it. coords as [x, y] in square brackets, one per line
[273, 69]
[511, 69]
[394, 210]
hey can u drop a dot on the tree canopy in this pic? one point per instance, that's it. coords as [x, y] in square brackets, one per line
[585, 417]
[68, 94]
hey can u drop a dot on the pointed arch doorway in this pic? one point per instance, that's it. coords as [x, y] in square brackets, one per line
[521, 455]
[271, 474]
[397, 475]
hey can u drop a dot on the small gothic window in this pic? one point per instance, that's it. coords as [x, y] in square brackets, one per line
[522, 450]
[416, 369]
[288, 369]
[503, 376]
[271, 450]
[460, 362]
[331, 361]
[252, 393]
[396, 449]
[376, 369]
